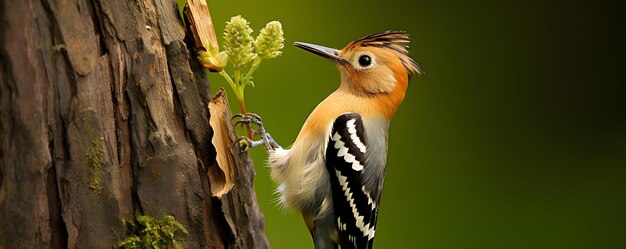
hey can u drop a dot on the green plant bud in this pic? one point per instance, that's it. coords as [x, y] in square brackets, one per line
[270, 40]
[238, 41]
[213, 63]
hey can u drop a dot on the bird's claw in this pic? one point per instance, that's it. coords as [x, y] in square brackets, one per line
[240, 115]
[243, 122]
[246, 142]
[248, 118]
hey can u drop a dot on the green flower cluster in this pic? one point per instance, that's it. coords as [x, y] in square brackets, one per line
[270, 41]
[246, 52]
[238, 41]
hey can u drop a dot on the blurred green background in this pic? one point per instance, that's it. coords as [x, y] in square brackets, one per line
[514, 138]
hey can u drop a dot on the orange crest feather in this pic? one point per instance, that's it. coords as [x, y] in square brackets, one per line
[395, 40]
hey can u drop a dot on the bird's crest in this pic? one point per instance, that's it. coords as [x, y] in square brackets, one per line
[395, 40]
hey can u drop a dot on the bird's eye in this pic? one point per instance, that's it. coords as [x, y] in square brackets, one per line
[365, 60]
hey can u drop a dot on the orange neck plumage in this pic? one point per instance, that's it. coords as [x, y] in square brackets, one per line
[344, 99]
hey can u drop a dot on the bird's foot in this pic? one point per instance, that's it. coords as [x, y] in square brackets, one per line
[246, 142]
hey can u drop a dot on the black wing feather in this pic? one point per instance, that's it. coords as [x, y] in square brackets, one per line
[355, 211]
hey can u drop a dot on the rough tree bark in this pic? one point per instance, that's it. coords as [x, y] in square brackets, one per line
[103, 115]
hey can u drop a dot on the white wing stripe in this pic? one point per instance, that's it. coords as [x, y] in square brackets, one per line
[355, 139]
[364, 227]
[343, 152]
[369, 198]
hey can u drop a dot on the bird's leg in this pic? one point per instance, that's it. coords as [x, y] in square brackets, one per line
[266, 138]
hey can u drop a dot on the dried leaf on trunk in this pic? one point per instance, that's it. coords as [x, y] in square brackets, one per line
[221, 175]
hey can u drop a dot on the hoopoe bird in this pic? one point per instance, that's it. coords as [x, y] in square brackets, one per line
[334, 171]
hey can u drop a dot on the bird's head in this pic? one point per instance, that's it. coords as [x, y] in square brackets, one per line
[374, 64]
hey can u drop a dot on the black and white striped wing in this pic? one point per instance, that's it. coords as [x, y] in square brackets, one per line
[355, 211]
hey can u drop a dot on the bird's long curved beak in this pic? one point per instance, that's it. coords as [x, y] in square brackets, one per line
[328, 53]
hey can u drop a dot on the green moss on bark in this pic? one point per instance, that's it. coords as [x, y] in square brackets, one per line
[94, 156]
[153, 233]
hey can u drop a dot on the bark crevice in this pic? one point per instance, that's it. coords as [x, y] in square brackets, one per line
[57, 225]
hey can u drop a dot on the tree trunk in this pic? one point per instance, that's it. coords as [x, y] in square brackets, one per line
[103, 116]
